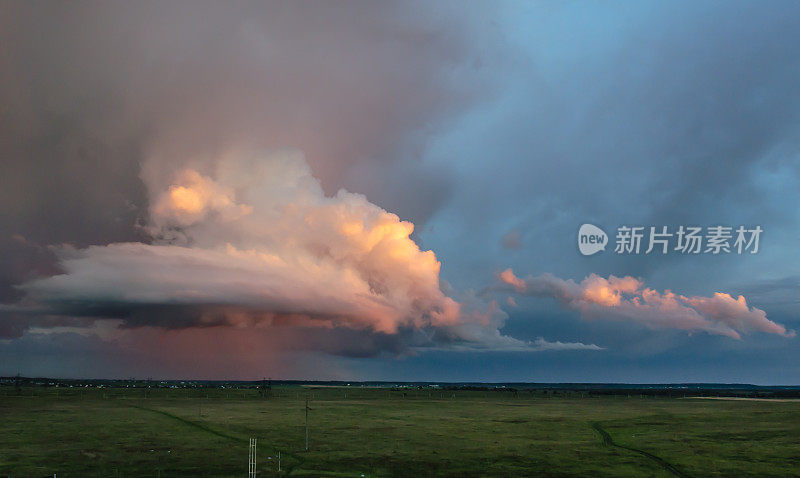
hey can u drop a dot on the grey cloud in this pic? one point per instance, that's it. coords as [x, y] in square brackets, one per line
[652, 114]
[512, 239]
[98, 94]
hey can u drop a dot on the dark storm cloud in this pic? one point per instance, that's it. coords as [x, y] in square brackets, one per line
[643, 114]
[500, 136]
[21, 260]
[93, 91]
[639, 114]
[712, 100]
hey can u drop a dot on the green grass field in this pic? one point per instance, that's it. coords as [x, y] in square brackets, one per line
[379, 432]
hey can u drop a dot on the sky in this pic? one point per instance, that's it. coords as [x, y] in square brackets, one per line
[393, 190]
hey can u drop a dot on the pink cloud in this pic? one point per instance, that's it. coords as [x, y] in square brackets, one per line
[254, 243]
[508, 277]
[627, 298]
[260, 238]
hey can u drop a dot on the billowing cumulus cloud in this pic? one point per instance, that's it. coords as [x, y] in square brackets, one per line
[124, 191]
[101, 102]
[627, 298]
[256, 243]
[259, 241]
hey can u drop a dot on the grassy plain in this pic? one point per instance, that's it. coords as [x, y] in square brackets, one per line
[377, 432]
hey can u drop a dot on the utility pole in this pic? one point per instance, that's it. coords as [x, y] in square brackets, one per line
[251, 459]
[307, 409]
[266, 388]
